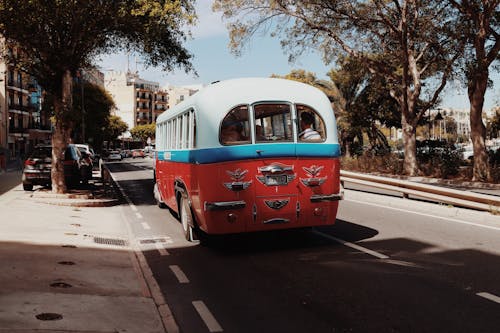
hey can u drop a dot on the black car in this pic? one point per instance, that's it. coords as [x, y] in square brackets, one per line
[37, 167]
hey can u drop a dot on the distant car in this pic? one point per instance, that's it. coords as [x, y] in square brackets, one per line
[467, 153]
[37, 167]
[114, 155]
[138, 153]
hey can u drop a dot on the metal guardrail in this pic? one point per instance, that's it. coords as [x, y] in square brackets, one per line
[454, 197]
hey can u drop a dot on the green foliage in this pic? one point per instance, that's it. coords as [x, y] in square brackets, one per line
[143, 132]
[97, 105]
[407, 44]
[114, 127]
[53, 39]
[70, 34]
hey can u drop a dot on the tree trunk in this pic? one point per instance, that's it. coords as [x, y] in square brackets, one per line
[410, 165]
[476, 91]
[61, 135]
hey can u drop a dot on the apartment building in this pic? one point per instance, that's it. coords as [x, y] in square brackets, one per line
[179, 94]
[138, 101]
[22, 123]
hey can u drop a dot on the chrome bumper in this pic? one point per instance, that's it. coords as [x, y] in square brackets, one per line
[224, 205]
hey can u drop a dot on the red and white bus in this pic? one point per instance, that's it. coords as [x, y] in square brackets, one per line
[247, 155]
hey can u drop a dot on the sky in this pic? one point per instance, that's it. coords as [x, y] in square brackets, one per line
[262, 57]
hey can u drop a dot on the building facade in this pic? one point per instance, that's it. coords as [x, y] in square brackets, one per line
[138, 101]
[179, 94]
[23, 125]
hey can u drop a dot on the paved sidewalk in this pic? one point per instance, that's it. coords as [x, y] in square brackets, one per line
[69, 269]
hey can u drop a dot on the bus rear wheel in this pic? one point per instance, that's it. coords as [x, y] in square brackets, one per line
[187, 220]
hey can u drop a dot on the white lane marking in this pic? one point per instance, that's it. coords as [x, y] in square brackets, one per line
[145, 226]
[489, 296]
[206, 315]
[352, 245]
[179, 274]
[134, 208]
[139, 215]
[428, 215]
[161, 249]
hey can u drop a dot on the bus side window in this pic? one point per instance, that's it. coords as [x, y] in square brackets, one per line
[235, 127]
[311, 125]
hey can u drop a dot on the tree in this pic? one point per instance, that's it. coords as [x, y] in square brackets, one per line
[479, 25]
[113, 128]
[98, 106]
[143, 132]
[53, 39]
[407, 42]
[367, 102]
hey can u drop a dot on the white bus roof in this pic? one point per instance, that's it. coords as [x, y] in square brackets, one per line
[213, 102]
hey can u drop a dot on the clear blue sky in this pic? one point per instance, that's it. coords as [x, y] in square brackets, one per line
[262, 57]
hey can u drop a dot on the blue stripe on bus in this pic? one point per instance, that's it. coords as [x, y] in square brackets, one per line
[231, 153]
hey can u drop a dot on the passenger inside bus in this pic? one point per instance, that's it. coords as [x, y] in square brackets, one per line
[231, 132]
[306, 124]
[259, 136]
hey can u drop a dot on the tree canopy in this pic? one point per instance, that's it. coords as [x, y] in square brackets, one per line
[53, 39]
[408, 43]
[143, 132]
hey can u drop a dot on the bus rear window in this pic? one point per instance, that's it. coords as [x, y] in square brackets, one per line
[273, 123]
[235, 127]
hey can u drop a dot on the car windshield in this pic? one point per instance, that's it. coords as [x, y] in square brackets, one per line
[42, 152]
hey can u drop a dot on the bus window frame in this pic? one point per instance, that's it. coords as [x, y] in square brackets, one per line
[298, 129]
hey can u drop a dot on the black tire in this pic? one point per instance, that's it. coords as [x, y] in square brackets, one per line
[28, 187]
[186, 217]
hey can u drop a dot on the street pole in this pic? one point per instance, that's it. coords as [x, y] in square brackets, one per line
[83, 111]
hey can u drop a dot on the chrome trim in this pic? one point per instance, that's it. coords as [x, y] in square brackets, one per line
[310, 182]
[276, 204]
[327, 197]
[276, 168]
[224, 205]
[276, 221]
[237, 186]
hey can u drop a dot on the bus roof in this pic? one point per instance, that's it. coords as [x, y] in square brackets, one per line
[214, 101]
[222, 96]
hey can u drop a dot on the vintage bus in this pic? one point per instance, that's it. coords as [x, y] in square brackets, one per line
[247, 155]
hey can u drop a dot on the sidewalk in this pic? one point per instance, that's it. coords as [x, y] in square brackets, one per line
[69, 269]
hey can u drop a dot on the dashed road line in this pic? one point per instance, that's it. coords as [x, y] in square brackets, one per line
[133, 207]
[352, 245]
[145, 226]
[161, 249]
[179, 274]
[138, 215]
[489, 296]
[207, 317]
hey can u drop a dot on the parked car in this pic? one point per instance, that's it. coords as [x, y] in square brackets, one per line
[87, 149]
[138, 153]
[37, 167]
[77, 166]
[114, 155]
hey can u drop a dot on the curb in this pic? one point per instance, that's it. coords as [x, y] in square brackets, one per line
[166, 315]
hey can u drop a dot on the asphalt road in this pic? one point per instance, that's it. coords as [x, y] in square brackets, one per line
[388, 265]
